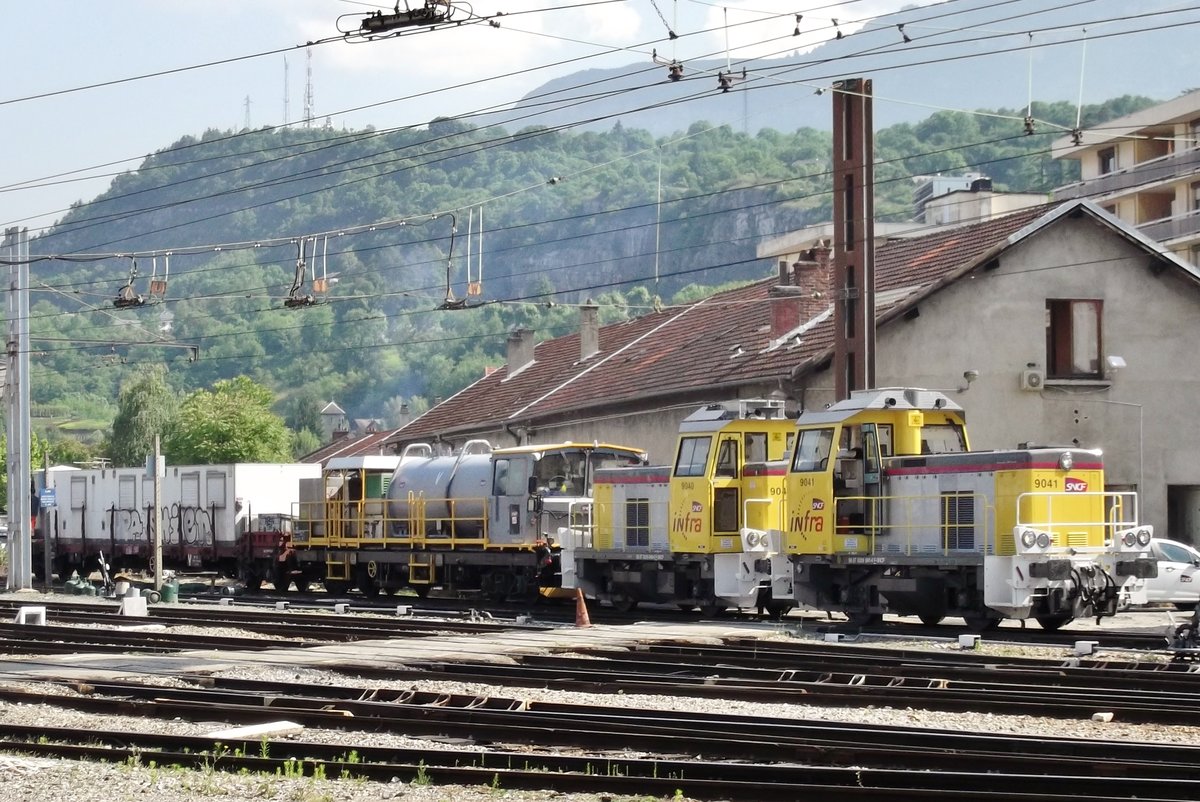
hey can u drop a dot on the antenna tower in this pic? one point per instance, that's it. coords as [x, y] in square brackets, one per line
[308, 92]
[247, 123]
[287, 110]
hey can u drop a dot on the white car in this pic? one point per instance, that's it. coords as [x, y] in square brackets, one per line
[1178, 580]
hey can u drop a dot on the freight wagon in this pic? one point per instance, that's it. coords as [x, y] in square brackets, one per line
[226, 518]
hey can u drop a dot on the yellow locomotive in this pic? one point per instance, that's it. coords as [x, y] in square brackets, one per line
[888, 510]
[675, 533]
[873, 505]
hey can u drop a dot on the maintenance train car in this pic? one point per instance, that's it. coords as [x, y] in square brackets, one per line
[879, 507]
[481, 519]
[227, 518]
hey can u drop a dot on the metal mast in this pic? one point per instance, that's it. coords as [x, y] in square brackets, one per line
[853, 237]
[20, 526]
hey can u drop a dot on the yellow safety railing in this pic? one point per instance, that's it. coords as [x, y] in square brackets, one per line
[1080, 519]
[913, 525]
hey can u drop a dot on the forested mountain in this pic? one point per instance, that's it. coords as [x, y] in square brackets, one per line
[566, 216]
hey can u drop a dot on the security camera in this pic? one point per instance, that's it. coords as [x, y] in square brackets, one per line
[970, 375]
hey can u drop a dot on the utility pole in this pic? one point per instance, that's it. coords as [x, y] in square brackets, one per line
[853, 237]
[47, 511]
[20, 472]
[156, 466]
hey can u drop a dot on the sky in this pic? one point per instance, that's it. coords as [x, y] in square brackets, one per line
[91, 88]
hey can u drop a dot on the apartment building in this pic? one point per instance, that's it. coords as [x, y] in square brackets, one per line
[1145, 169]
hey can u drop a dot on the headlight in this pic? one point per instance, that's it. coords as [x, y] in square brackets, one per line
[1143, 537]
[1028, 538]
[752, 540]
[1043, 540]
[1066, 461]
[1129, 539]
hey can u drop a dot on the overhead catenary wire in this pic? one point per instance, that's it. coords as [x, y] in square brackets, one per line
[566, 267]
[1067, 4]
[1060, 6]
[411, 96]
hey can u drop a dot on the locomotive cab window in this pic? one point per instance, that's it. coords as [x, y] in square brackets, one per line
[942, 438]
[812, 450]
[560, 473]
[727, 458]
[509, 478]
[693, 456]
[756, 447]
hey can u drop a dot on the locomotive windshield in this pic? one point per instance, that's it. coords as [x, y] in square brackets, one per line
[693, 456]
[812, 450]
[568, 472]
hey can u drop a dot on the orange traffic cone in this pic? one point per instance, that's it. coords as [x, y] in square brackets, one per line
[581, 614]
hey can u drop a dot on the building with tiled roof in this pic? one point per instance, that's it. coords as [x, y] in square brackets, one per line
[1038, 308]
[350, 445]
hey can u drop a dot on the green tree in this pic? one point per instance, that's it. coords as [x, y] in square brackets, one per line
[146, 407]
[231, 423]
[305, 415]
[304, 441]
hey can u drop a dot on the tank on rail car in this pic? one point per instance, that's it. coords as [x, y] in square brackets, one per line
[480, 519]
[889, 511]
[674, 533]
[218, 517]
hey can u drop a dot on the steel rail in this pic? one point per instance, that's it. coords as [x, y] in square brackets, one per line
[1166, 772]
[576, 774]
[1046, 675]
[506, 720]
[828, 690]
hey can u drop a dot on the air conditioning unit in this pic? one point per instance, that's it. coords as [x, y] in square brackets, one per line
[1032, 380]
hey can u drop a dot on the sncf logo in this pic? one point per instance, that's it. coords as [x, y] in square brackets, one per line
[1074, 485]
[818, 504]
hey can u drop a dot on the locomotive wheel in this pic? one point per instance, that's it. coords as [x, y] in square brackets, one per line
[930, 619]
[778, 609]
[624, 604]
[981, 622]
[862, 618]
[497, 585]
[1187, 607]
[336, 587]
[1053, 623]
[365, 581]
[711, 608]
[254, 583]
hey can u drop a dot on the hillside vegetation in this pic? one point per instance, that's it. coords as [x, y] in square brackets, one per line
[567, 216]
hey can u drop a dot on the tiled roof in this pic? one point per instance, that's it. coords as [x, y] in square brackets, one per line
[350, 446]
[722, 341]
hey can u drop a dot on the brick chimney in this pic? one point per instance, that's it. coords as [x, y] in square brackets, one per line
[589, 329]
[803, 291]
[520, 349]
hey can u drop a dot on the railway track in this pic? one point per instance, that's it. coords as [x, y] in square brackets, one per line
[704, 756]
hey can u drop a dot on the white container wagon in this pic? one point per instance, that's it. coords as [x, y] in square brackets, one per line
[226, 518]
